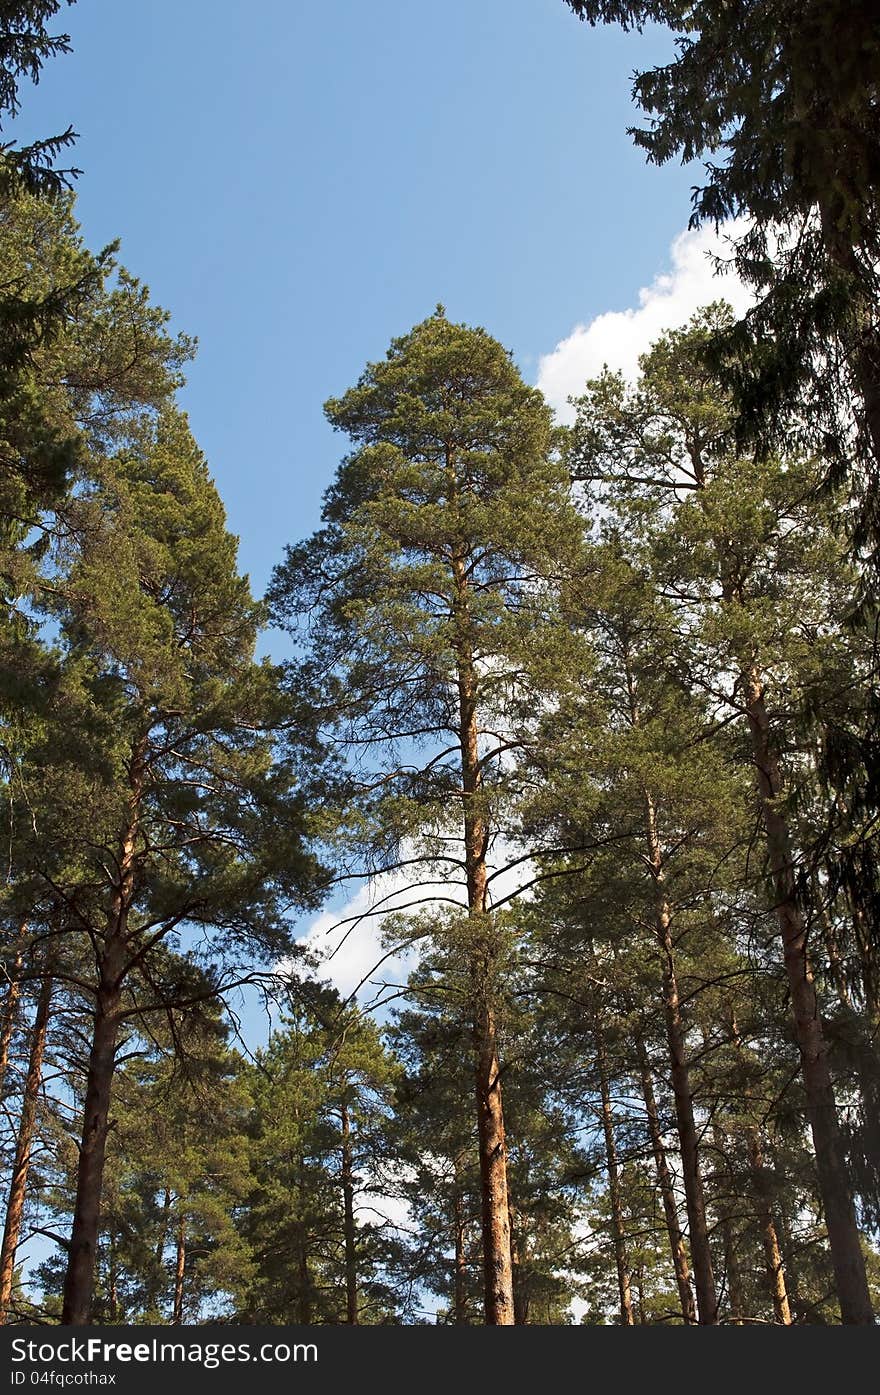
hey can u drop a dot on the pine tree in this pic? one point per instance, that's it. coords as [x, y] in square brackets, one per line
[159, 742]
[427, 606]
[318, 1245]
[757, 575]
[780, 102]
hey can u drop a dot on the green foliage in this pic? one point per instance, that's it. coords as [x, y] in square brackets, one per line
[780, 102]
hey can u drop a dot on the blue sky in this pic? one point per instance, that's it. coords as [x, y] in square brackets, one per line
[299, 182]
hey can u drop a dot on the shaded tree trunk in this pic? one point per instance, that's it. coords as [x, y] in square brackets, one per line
[667, 1192]
[617, 1227]
[179, 1272]
[351, 1288]
[83, 1246]
[460, 1288]
[23, 1146]
[834, 1187]
[113, 1286]
[704, 1278]
[733, 1275]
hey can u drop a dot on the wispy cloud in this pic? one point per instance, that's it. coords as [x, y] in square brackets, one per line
[618, 337]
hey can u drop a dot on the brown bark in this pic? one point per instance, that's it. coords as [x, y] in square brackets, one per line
[163, 1229]
[302, 1258]
[834, 1187]
[617, 1227]
[520, 1286]
[82, 1251]
[769, 1238]
[667, 1192]
[112, 966]
[460, 1295]
[23, 1146]
[497, 1264]
[732, 1273]
[351, 1286]
[704, 1278]
[305, 1301]
[179, 1272]
[10, 1008]
[113, 1295]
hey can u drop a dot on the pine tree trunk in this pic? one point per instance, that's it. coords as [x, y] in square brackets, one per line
[704, 1278]
[667, 1192]
[83, 1247]
[23, 1147]
[769, 1238]
[351, 1286]
[834, 1187]
[497, 1263]
[519, 1307]
[79, 1280]
[459, 1298]
[305, 1285]
[179, 1272]
[617, 1227]
[10, 1009]
[113, 1287]
[163, 1227]
[733, 1275]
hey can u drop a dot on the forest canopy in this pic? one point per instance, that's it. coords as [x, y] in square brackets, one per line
[588, 713]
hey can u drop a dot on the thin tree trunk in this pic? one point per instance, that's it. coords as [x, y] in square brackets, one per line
[520, 1302]
[113, 1294]
[10, 1008]
[179, 1272]
[163, 1228]
[23, 1146]
[351, 1285]
[497, 1263]
[704, 1278]
[305, 1284]
[459, 1300]
[769, 1238]
[834, 1187]
[667, 1192]
[733, 1275]
[617, 1228]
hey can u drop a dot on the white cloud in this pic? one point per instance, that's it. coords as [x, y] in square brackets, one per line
[618, 337]
[347, 940]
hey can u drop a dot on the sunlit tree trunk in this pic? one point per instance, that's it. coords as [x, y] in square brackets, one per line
[24, 1146]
